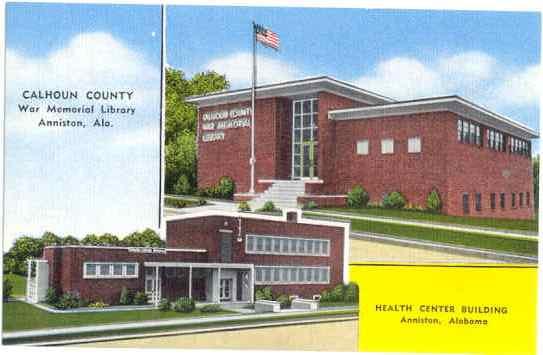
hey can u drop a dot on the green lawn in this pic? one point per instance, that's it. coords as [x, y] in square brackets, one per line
[22, 316]
[338, 304]
[19, 284]
[497, 243]
[498, 223]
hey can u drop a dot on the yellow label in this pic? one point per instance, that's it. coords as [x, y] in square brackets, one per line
[476, 309]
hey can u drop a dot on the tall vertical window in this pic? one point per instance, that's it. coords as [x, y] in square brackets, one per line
[305, 138]
[478, 201]
[502, 200]
[413, 145]
[519, 146]
[493, 200]
[527, 199]
[521, 199]
[468, 132]
[465, 203]
[513, 199]
[496, 140]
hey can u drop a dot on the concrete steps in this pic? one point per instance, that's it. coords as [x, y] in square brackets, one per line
[283, 194]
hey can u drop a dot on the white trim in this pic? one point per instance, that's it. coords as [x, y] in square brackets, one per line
[286, 238]
[306, 86]
[297, 267]
[227, 231]
[129, 248]
[453, 104]
[124, 265]
[196, 265]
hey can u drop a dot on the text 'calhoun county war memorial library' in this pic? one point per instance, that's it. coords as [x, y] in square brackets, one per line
[316, 138]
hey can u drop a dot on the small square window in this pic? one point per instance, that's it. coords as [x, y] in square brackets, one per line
[91, 269]
[362, 147]
[103, 269]
[130, 269]
[387, 146]
[117, 269]
[413, 145]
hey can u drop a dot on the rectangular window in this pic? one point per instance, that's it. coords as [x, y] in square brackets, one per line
[513, 199]
[521, 199]
[495, 140]
[493, 200]
[527, 199]
[292, 275]
[362, 147]
[478, 201]
[519, 146]
[468, 132]
[387, 146]
[413, 145]
[465, 203]
[277, 245]
[107, 270]
[502, 200]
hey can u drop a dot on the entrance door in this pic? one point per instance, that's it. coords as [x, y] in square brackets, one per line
[305, 139]
[226, 290]
[226, 248]
[150, 278]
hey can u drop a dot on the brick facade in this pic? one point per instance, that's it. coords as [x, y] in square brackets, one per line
[202, 235]
[450, 166]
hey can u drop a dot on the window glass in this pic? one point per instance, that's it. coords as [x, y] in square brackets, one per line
[477, 201]
[284, 275]
[493, 201]
[259, 243]
[387, 146]
[267, 244]
[362, 147]
[267, 274]
[325, 247]
[513, 199]
[521, 199]
[276, 274]
[502, 200]
[465, 203]
[258, 274]
[293, 275]
[117, 269]
[284, 245]
[301, 246]
[250, 243]
[413, 145]
[91, 269]
[103, 269]
[276, 245]
[130, 269]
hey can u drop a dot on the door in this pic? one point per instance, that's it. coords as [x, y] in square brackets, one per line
[305, 139]
[226, 290]
[226, 248]
[150, 278]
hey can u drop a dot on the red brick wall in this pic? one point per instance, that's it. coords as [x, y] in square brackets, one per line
[413, 174]
[203, 232]
[66, 270]
[472, 169]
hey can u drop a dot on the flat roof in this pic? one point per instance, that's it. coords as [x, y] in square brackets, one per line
[292, 89]
[454, 103]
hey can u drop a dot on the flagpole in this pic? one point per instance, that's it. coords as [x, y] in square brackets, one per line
[253, 96]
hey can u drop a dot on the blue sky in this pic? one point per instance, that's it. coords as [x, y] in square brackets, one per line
[73, 180]
[489, 57]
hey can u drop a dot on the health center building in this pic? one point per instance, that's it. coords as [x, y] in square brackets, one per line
[316, 138]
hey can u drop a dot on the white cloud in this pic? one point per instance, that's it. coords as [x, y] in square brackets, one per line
[520, 88]
[473, 74]
[238, 68]
[402, 78]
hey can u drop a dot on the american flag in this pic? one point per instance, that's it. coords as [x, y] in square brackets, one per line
[266, 37]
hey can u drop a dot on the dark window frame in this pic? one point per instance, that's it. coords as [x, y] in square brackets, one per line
[513, 200]
[478, 202]
[502, 200]
[493, 201]
[465, 203]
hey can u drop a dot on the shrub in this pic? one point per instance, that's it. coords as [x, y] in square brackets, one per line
[140, 298]
[310, 205]
[225, 188]
[351, 293]
[184, 304]
[83, 302]
[264, 294]
[182, 186]
[126, 297]
[98, 304]
[174, 202]
[394, 200]
[244, 207]
[284, 300]
[67, 301]
[8, 289]
[210, 308]
[357, 197]
[337, 294]
[325, 296]
[202, 202]
[51, 296]
[268, 207]
[433, 202]
[164, 305]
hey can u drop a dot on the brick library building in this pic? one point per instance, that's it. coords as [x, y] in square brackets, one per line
[316, 138]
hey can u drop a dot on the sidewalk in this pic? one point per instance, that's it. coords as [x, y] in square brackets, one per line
[153, 324]
[433, 225]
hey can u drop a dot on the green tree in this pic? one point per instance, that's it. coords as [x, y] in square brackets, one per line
[91, 239]
[147, 238]
[535, 170]
[24, 248]
[70, 240]
[181, 118]
[108, 239]
[49, 238]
